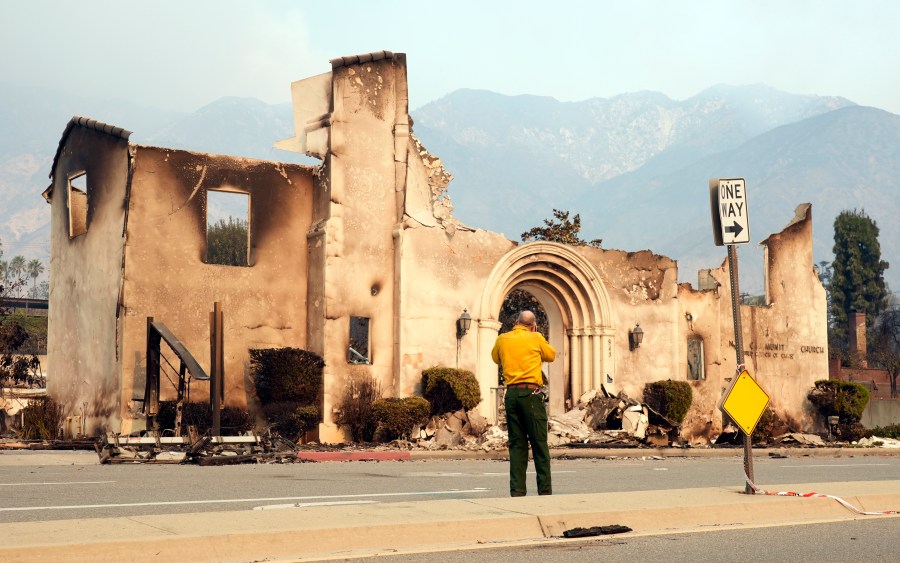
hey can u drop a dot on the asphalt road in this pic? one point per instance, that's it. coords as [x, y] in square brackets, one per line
[35, 491]
[871, 540]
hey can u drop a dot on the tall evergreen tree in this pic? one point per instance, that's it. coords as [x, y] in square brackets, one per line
[857, 273]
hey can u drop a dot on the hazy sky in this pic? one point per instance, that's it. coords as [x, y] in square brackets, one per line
[184, 54]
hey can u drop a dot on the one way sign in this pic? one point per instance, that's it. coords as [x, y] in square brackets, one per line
[728, 200]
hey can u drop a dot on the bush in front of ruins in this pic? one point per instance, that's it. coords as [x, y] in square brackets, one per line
[355, 411]
[844, 399]
[41, 419]
[672, 399]
[396, 418]
[288, 383]
[769, 426]
[450, 389]
[889, 431]
[290, 420]
[287, 374]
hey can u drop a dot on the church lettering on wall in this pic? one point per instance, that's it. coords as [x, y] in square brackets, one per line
[778, 350]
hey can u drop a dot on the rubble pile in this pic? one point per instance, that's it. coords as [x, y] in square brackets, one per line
[598, 419]
[202, 450]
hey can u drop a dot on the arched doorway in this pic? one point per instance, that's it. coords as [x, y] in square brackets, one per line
[577, 306]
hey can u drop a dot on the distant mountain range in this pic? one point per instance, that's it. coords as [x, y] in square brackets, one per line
[635, 166]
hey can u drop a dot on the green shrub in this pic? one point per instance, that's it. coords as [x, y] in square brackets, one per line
[395, 418]
[672, 399]
[850, 431]
[287, 375]
[233, 421]
[41, 419]
[356, 407]
[889, 431]
[844, 399]
[290, 420]
[450, 389]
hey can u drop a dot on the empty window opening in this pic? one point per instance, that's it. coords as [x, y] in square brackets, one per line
[227, 228]
[695, 369]
[358, 350]
[78, 204]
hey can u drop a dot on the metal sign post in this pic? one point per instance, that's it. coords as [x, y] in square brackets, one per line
[739, 354]
[731, 226]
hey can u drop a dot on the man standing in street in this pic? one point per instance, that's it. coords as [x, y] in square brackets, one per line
[521, 352]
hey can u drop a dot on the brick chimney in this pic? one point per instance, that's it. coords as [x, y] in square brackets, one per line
[858, 336]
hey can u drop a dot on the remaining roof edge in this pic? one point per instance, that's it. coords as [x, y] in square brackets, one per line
[360, 59]
[87, 123]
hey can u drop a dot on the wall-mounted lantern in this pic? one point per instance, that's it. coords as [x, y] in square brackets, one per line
[463, 323]
[636, 336]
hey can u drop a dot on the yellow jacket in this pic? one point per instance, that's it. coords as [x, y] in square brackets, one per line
[521, 352]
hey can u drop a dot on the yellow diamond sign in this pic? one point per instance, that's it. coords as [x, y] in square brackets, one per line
[745, 401]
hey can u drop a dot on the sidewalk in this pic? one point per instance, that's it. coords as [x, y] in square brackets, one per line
[344, 531]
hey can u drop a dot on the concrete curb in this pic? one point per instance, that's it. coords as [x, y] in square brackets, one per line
[79, 457]
[370, 529]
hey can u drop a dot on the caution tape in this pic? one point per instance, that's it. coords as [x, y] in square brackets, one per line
[842, 502]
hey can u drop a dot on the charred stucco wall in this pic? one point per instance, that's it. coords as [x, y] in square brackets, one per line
[443, 268]
[785, 341]
[167, 278]
[642, 290]
[363, 179]
[442, 275]
[86, 275]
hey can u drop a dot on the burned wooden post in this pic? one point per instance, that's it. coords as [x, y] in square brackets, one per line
[217, 368]
[151, 384]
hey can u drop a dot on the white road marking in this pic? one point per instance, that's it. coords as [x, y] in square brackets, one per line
[237, 500]
[307, 504]
[57, 483]
[844, 465]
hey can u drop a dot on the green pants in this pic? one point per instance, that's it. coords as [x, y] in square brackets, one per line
[526, 420]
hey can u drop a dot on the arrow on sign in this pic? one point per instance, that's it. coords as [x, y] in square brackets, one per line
[735, 229]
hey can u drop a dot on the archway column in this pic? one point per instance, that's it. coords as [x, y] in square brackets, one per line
[575, 365]
[596, 358]
[488, 329]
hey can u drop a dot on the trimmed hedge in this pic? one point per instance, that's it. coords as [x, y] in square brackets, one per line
[672, 399]
[844, 399]
[395, 418]
[450, 389]
[288, 383]
[287, 375]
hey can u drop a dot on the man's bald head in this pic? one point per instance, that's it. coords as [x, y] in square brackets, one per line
[526, 318]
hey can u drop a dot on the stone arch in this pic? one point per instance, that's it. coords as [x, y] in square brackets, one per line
[564, 281]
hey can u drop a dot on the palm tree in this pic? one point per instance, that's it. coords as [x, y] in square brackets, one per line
[34, 268]
[17, 266]
[16, 271]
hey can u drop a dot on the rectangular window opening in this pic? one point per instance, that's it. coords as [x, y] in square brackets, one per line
[77, 203]
[358, 350]
[227, 228]
[695, 367]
